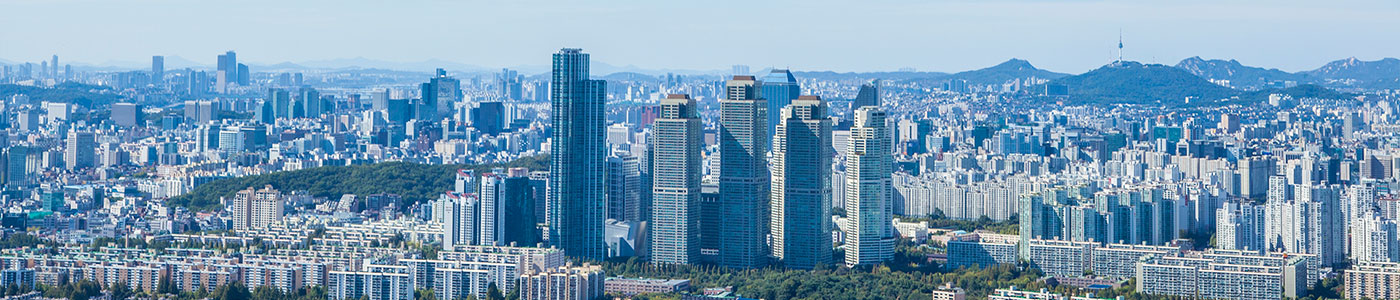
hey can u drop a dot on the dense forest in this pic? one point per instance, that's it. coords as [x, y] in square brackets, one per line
[414, 182]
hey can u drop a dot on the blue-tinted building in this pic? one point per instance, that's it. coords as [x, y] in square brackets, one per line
[779, 87]
[577, 156]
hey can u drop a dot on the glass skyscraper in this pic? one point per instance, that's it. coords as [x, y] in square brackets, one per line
[577, 156]
[779, 88]
[801, 185]
[675, 232]
[743, 175]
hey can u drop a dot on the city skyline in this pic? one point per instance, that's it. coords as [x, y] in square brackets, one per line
[951, 35]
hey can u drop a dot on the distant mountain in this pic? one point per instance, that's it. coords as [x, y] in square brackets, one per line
[900, 75]
[1379, 74]
[1137, 83]
[366, 63]
[1003, 72]
[1239, 75]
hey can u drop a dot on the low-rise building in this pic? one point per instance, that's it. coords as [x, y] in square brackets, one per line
[636, 286]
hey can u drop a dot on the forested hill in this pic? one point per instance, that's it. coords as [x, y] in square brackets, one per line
[414, 182]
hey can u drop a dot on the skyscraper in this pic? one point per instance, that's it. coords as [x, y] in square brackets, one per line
[869, 95]
[158, 69]
[228, 63]
[439, 95]
[801, 198]
[624, 187]
[577, 153]
[779, 88]
[80, 151]
[869, 234]
[675, 237]
[743, 175]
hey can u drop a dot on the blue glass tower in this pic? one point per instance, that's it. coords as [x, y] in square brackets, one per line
[779, 88]
[577, 157]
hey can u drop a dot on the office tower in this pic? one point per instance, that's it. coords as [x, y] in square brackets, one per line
[869, 210]
[16, 161]
[200, 111]
[54, 65]
[228, 63]
[80, 150]
[198, 82]
[577, 156]
[380, 100]
[624, 184]
[779, 88]
[256, 208]
[801, 197]
[243, 74]
[508, 85]
[309, 101]
[221, 81]
[869, 95]
[743, 175]
[675, 232]
[489, 117]
[158, 69]
[439, 95]
[1240, 226]
[517, 194]
[126, 114]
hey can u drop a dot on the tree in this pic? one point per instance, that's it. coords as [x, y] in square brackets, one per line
[493, 293]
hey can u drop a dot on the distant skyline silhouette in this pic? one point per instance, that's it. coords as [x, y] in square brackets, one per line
[948, 36]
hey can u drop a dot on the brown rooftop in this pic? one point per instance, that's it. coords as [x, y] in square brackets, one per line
[809, 97]
[743, 77]
[677, 96]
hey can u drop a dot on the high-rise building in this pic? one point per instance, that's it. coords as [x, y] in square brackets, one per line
[439, 95]
[1372, 280]
[457, 212]
[490, 212]
[676, 178]
[255, 208]
[80, 151]
[517, 195]
[577, 156]
[228, 63]
[801, 198]
[489, 117]
[243, 75]
[869, 232]
[126, 114]
[743, 175]
[158, 70]
[778, 89]
[1240, 226]
[869, 95]
[624, 187]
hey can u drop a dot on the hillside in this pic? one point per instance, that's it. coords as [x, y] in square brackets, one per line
[1003, 72]
[1239, 75]
[67, 92]
[415, 182]
[1136, 83]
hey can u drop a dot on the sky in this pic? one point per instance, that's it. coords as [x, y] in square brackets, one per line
[1071, 36]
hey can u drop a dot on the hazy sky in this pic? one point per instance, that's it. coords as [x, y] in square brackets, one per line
[1064, 36]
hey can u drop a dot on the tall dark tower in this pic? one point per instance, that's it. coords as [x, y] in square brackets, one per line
[577, 157]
